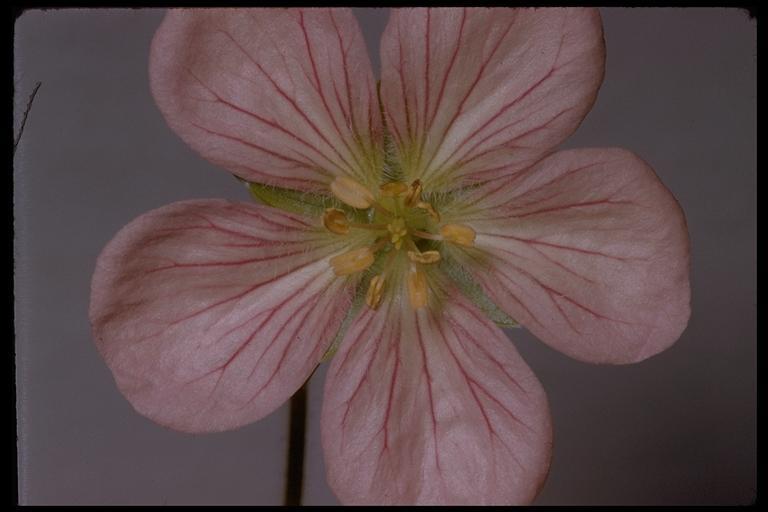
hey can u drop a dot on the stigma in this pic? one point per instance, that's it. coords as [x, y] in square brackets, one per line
[398, 245]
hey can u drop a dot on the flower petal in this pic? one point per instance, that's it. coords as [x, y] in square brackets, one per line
[433, 408]
[212, 313]
[589, 251]
[475, 93]
[278, 96]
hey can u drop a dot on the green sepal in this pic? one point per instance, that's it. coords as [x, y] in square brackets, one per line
[474, 292]
[310, 204]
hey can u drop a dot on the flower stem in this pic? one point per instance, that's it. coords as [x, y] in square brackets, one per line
[296, 441]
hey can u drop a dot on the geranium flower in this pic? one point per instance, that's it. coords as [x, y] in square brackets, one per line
[408, 219]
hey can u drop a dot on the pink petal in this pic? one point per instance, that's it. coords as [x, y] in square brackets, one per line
[477, 93]
[278, 96]
[212, 313]
[433, 408]
[589, 251]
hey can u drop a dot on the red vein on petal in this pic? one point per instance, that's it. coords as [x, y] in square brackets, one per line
[469, 381]
[255, 331]
[221, 229]
[492, 174]
[238, 351]
[223, 368]
[263, 120]
[234, 263]
[515, 204]
[523, 173]
[558, 246]
[553, 68]
[296, 221]
[403, 92]
[460, 108]
[244, 293]
[511, 295]
[373, 352]
[552, 294]
[275, 242]
[423, 128]
[448, 70]
[567, 174]
[555, 294]
[269, 179]
[222, 263]
[297, 163]
[291, 101]
[494, 186]
[280, 227]
[544, 255]
[350, 107]
[370, 316]
[425, 367]
[590, 311]
[341, 106]
[392, 126]
[468, 336]
[371, 132]
[319, 89]
[380, 337]
[291, 339]
[267, 243]
[584, 204]
[391, 392]
[507, 144]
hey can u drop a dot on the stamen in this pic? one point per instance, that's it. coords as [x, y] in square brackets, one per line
[414, 195]
[393, 189]
[352, 261]
[393, 224]
[459, 234]
[352, 193]
[336, 221]
[417, 287]
[374, 294]
[425, 257]
[430, 210]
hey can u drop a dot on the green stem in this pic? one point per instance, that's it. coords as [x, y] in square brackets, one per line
[296, 441]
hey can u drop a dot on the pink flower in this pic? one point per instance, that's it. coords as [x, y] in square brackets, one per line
[417, 215]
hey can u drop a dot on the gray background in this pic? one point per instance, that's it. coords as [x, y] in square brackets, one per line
[678, 429]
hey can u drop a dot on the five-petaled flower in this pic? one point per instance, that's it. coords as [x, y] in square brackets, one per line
[423, 203]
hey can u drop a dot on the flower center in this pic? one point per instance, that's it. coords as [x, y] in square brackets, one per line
[406, 234]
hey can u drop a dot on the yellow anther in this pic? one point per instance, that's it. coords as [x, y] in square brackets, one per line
[458, 234]
[352, 193]
[374, 294]
[417, 287]
[425, 257]
[397, 231]
[393, 189]
[352, 261]
[429, 209]
[336, 221]
[414, 194]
